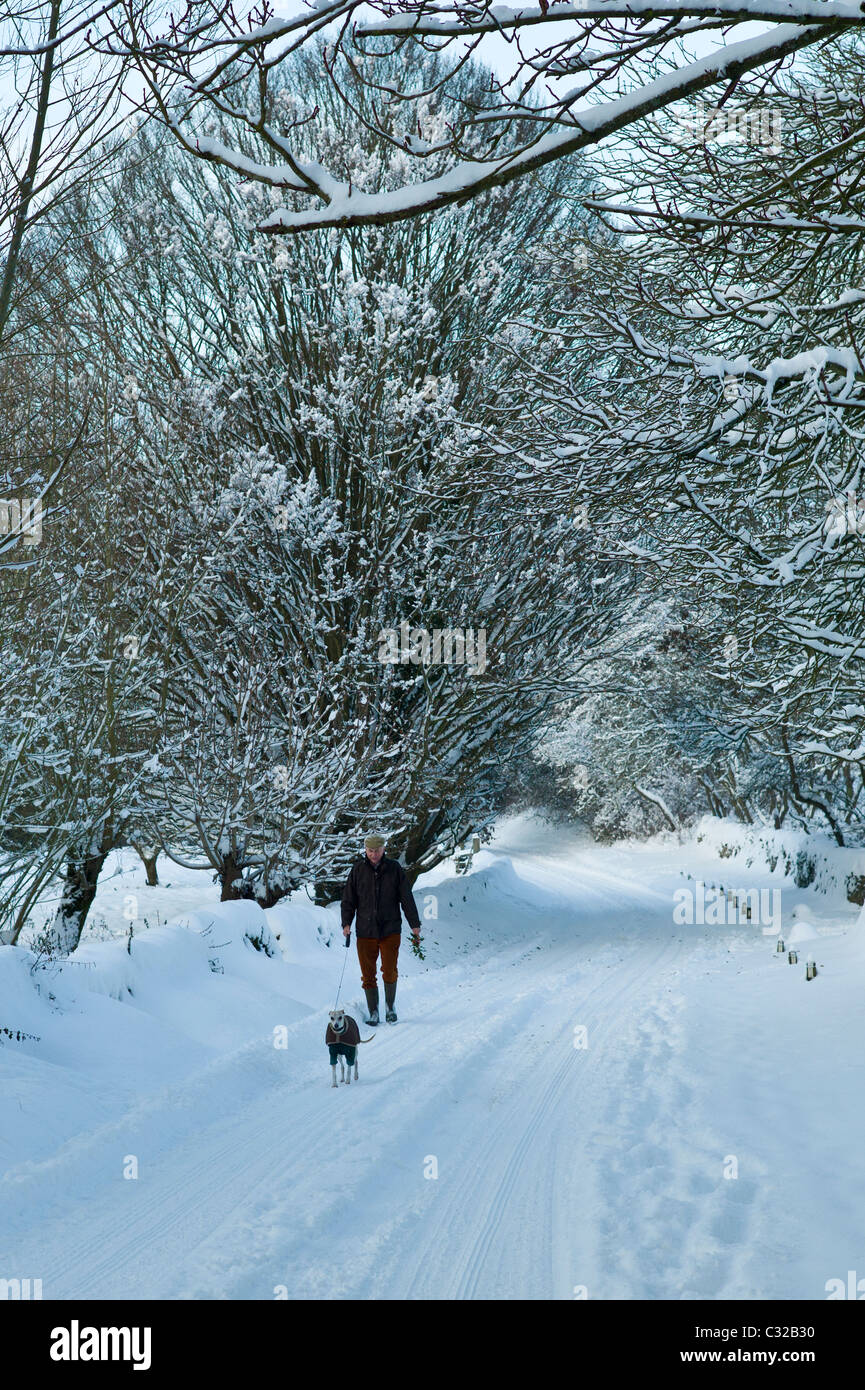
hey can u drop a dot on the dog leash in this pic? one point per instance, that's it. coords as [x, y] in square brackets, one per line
[342, 976]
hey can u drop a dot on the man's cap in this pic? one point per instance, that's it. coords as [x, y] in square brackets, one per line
[373, 842]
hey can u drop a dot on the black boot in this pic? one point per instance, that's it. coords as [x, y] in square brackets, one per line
[372, 1004]
[389, 996]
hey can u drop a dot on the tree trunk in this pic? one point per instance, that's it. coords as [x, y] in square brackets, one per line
[233, 886]
[656, 800]
[79, 890]
[272, 894]
[328, 891]
[148, 857]
[28, 180]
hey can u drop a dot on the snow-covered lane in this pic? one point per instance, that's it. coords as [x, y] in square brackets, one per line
[484, 1155]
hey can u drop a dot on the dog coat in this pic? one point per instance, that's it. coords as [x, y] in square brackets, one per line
[350, 1034]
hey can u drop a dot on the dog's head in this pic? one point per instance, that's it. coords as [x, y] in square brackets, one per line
[337, 1020]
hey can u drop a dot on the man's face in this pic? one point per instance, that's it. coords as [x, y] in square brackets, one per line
[375, 856]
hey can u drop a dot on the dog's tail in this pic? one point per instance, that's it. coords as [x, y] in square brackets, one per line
[369, 1039]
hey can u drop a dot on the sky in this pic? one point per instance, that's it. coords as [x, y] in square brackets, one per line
[494, 50]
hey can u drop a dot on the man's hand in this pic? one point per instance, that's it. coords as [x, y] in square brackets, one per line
[415, 931]
[346, 931]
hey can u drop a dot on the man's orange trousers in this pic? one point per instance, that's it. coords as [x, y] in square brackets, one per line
[368, 948]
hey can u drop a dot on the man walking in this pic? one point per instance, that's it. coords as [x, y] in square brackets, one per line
[375, 889]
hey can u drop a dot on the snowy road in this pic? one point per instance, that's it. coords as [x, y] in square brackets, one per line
[483, 1155]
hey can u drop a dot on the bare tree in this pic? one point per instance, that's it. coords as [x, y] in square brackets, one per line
[575, 76]
[62, 96]
[706, 408]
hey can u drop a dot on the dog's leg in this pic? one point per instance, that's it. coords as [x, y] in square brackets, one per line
[342, 1069]
[348, 1075]
[333, 1073]
[355, 1066]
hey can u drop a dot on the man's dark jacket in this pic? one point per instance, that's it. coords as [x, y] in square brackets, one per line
[376, 895]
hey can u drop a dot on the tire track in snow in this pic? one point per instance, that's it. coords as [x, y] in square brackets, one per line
[513, 1146]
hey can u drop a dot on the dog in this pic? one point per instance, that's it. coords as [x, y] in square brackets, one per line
[342, 1038]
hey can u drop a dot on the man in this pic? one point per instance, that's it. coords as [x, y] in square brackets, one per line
[375, 889]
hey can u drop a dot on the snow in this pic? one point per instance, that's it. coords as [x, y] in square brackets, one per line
[584, 126]
[558, 1166]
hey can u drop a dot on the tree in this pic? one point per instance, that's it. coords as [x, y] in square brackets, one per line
[63, 97]
[292, 439]
[554, 100]
[345, 368]
[707, 401]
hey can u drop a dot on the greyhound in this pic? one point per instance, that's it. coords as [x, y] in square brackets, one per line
[342, 1038]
